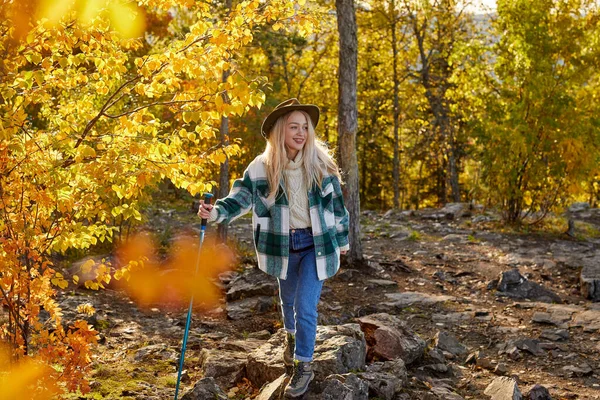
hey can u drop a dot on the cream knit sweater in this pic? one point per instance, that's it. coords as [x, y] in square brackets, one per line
[297, 193]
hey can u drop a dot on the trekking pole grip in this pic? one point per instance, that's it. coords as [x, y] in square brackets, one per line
[207, 200]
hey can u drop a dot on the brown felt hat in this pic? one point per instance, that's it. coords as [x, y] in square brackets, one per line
[286, 107]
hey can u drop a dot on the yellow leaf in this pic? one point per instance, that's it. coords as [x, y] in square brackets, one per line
[75, 279]
[219, 103]
[87, 266]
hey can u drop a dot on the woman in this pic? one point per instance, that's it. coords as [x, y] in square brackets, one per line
[300, 223]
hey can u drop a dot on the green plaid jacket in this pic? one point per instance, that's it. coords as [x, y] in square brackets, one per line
[271, 220]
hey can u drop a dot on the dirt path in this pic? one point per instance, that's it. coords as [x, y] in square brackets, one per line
[139, 351]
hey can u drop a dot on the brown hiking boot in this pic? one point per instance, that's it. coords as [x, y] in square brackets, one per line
[301, 378]
[288, 352]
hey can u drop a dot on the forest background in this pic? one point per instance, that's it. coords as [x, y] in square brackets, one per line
[103, 103]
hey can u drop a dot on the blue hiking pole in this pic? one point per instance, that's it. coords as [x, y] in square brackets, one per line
[207, 198]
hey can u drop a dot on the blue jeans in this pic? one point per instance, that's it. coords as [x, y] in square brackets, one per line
[300, 292]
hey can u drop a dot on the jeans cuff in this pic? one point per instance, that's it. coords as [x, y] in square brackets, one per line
[292, 331]
[303, 359]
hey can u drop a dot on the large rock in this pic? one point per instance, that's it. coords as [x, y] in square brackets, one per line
[265, 364]
[253, 282]
[589, 320]
[514, 285]
[205, 388]
[455, 210]
[339, 349]
[447, 342]
[590, 281]
[227, 367]
[385, 378]
[538, 392]
[273, 390]
[529, 345]
[579, 207]
[503, 388]
[389, 338]
[339, 387]
[248, 307]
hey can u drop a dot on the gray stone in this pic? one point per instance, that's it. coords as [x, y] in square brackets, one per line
[555, 334]
[385, 379]
[253, 282]
[579, 207]
[538, 392]
[406, 299]
[339, 349]
[262, 335]
[340, 387]
[381, 283]
[205, 388]
[454, 210]
[443, 393]
[161, 351]
[227, 367]
[445, 341]
[265, 363]
[250, 306]
[525, 344]
[501, 369]
[589, 280]
[589, 320]
[389, 338]
[436, 355]
[512, 284]
[456, 238]
[582, 370]
[273, 390]
[503, 388]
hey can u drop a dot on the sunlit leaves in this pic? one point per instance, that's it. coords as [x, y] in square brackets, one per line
[537, 119]
[90, 123]
[124, 17]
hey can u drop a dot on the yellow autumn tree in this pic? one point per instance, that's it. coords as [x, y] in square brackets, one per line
[89, 121]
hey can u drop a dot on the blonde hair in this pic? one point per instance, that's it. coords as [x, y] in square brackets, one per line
[317, 159]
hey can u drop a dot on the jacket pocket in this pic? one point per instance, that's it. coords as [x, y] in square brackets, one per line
[261, 233]
[256, 235]
[262, 205]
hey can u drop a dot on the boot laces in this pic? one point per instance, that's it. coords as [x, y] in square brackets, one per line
[298, 372]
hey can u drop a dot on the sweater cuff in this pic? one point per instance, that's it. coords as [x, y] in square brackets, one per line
[214, 214]
[345, 248]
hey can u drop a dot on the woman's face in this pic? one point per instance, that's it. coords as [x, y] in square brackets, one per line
[296, 133]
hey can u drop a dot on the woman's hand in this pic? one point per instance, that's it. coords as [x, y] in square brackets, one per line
[343, 252]
[204, 210]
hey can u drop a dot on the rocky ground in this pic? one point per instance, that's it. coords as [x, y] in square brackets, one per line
[450, 306]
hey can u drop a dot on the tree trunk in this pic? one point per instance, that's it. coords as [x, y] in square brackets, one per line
[396, 164]
[348, 120]
[224, 170]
